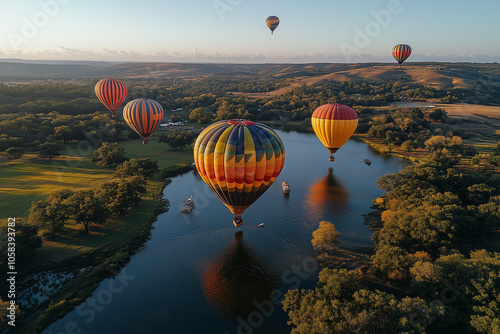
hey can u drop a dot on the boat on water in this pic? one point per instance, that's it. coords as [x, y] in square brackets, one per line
[286, 187]
[188, 205]
[261, 225]
[368, 162]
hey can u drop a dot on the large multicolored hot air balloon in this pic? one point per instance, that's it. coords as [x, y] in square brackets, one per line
[272, 23]
[401, 52]
[238, 160]
[334, 124]
[112, 93]
[143, 116]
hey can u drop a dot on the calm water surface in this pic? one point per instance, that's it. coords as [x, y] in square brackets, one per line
[198, 274]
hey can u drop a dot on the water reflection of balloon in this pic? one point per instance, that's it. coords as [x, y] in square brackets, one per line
[401, 52]
[328, 192]
[143, 116]
[239, 160]
[272, 23]
[334, 124]
[112, 93]
[236, 278]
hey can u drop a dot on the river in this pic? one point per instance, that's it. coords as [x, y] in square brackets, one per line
[199, 274]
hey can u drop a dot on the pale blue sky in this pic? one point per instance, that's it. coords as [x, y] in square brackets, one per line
[235, 30]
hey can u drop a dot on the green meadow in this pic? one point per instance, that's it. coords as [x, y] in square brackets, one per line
[30, 178]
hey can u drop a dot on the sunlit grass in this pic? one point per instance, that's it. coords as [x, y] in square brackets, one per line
[30, 178]
[160, 152]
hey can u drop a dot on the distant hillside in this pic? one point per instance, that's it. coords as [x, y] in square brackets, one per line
[461, 75]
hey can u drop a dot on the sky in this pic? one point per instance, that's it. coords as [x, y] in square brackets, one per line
[234, 31]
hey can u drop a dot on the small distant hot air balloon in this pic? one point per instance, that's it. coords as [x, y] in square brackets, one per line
[112, 93]
[334, 124]
[401, 52]
[238, 160]
[143, 116]
[272, 23]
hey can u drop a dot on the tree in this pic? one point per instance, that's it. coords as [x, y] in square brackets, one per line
[201, 115]
[483, 161]
[63, 133]
[15, 152]
[409, 146]
[178, 139]
[437, 115]
[119, 196]
[49, 150]
[326, 237]
[53, 212]
[26, 239]
[442, 158]
[144, 167]
[109, 154]
[87, 209]
[435, 143]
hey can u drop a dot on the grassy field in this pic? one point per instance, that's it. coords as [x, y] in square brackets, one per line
[30, 178]
[160, 152]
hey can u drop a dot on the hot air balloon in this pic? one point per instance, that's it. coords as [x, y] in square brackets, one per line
[111, 93]
[272, 22]
[401, 52]
[143, 116]
[334, 124]
[238, 160]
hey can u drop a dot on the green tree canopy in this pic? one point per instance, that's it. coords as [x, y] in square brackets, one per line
[109, 154]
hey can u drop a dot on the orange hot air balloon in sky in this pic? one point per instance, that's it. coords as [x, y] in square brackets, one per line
[112, 93]
[272, 23]
[143, 116]
[238, 160]
[334, 124]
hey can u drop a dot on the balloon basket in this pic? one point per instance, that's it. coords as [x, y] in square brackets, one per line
[237, 221]
[331, 158]
[145, 141]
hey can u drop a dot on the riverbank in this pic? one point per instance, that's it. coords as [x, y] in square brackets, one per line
[90, 268]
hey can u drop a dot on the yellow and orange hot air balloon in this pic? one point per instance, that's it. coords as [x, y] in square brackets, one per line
[143, 116]
[272, 23]
[334, 124]
[238, 160]
[112, 93]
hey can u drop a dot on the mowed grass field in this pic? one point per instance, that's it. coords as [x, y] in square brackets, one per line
[31, 178]
[160, 152]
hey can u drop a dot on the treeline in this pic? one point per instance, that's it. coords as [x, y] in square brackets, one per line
[31, 131]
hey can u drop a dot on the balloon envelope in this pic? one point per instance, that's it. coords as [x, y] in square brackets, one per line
[272, 23]
[238, 160]
[401, 52]
[112, 93]
[143, 116]
[334, 124]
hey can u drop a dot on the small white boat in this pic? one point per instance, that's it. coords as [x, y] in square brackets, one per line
[285, 186]
[188, 205]
[261, 225]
